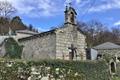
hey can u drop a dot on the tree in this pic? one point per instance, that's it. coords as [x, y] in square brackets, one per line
[93, 30]
[97, 33]
[17, 24]
[6, 9]
[4, 23]
[116, 33]
[30, 27]
[17, 19]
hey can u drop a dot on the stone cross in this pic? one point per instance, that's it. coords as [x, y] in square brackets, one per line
[72, 52]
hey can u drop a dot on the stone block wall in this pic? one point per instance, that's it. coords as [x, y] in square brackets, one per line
[39, 48]
[67, 36]
[81, 45]
[109, 51]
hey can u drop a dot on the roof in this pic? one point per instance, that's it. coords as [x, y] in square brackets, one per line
[107, 45]
[73, 10]
[70, 8]
[46, 33]
[26, 32]
[36, 35]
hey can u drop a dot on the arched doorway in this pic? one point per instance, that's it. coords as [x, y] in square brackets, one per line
[72, 17]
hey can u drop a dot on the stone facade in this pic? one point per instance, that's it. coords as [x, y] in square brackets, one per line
[55, 44]
[67, 36]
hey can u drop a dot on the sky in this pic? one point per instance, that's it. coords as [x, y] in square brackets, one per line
[44, 14]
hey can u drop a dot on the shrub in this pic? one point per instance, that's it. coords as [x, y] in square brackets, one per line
[63, 70]
[13, 49]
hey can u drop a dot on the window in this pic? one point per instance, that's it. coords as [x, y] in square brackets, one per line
[72, 17]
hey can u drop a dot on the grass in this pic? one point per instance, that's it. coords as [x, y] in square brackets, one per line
[116, 78]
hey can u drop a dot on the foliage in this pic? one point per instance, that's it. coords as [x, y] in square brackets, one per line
[115, 78]
[32, 28]
[4, 21]
[13, 50]
[15, 24]
[96, 33]
[62, 70]
[108, 57]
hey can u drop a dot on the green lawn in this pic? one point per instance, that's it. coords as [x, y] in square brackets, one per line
[116, 78]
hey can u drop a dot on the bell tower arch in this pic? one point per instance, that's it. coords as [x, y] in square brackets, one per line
[70, 14]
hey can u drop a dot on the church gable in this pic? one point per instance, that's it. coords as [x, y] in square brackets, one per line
[67, 36]
[71, 29]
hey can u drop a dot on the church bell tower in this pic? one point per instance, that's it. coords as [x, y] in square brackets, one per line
[70, 15]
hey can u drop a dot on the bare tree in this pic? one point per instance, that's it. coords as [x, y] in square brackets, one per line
[94, 31]
[116, 34]
[6, 9]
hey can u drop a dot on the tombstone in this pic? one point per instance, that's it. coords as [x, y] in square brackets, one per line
[73, 52]
[112, 67]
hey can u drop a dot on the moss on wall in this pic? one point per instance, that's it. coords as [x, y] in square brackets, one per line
[13, 49]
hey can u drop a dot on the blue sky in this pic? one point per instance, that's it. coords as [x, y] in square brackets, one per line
[44, 14]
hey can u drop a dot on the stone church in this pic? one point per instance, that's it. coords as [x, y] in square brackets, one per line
[66, 43]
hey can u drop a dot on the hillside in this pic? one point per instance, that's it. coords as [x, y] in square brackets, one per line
[15, 24]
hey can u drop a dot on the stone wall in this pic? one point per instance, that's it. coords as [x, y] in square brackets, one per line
[109, 51]
[2, 50]
[39, 48]
[81, 45]
[67, 36]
